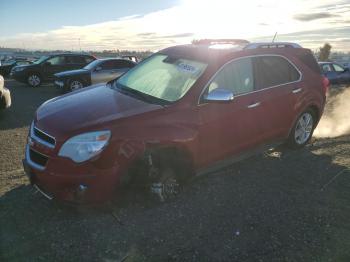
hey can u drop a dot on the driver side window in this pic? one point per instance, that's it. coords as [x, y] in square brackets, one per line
[236, 76]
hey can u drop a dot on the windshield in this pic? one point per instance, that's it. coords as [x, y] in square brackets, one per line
[163, 77]
[92, 64]
[40, 60]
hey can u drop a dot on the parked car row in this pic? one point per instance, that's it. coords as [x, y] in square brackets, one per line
[68, 71]
[98, 71]
[183, 111]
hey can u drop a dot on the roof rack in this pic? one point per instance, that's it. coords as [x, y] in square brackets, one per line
[272, 45]
[220, 42]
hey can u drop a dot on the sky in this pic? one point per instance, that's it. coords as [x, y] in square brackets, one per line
[156, 24]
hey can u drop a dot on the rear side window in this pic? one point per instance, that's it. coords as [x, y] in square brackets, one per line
[75, 60]
[107, 65]
[236, 76]
[273, 71]
[123, 64]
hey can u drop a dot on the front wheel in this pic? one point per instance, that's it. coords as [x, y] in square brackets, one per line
[302, 130]
[75, 85]
[34, 80]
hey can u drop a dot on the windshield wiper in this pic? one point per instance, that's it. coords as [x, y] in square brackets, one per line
[139, 95]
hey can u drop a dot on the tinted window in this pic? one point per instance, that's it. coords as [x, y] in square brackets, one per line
[123, 64]
[273, 71]
[75, 60]
[107, 65]
[57, 60]
[236, 76]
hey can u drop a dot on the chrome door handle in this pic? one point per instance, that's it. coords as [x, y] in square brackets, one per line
[295, 91]
[254, 105]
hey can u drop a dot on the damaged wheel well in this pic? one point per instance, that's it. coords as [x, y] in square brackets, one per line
[160, 157]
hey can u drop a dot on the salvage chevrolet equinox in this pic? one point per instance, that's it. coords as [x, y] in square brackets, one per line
[179, 113]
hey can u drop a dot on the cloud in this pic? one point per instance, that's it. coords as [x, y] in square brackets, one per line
[314, 16]
[197, 19]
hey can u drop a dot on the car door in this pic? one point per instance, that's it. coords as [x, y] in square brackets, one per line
[343, 76]
[228, 128]
[54, 65]
[106, 71]
[329, 72]
[280, 88]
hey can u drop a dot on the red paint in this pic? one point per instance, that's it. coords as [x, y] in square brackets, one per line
[207, 132]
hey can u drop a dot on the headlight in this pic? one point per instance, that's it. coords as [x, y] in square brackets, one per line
[85, 146]
[18, 69]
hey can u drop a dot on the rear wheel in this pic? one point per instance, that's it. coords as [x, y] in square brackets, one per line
[75, 84]
[34, 80]
[302, 130]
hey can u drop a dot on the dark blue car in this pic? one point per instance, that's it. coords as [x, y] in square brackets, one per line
[336, 74]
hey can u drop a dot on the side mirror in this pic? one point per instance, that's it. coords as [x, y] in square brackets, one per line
[346, 69]
[47, 64]
[99, 68]
[219, 95]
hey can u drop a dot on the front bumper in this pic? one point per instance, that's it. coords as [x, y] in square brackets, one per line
[64, 180]
[59, 84]
[20, 76]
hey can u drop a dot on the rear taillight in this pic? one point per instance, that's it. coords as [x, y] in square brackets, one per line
[325, 83]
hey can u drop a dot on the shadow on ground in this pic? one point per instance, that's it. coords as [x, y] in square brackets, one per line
[279, 206]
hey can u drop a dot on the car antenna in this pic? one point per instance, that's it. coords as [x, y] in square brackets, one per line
[274, 37]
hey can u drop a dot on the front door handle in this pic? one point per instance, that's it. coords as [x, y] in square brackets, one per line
[298, 90]
[254, 105]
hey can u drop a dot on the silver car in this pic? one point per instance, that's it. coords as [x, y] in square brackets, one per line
[98, 71]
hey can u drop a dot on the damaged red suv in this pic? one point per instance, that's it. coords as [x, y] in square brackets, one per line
[182, 112]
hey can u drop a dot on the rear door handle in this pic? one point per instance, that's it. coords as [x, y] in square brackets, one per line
[254, 105]
[295, 91]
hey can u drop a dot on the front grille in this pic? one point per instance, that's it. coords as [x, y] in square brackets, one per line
[37, 158]
[43, 136]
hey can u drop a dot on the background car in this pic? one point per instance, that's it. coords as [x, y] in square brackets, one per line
[6, 67]
[43, 69]
[5, 95]
[336, 74]
[98, 71]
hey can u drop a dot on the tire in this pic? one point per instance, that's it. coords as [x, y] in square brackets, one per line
[75, 84]
[34, 80]
[302, 130]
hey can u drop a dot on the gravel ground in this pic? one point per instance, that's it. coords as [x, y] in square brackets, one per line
[278, 206]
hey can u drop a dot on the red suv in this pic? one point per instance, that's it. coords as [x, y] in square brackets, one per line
[183, 111]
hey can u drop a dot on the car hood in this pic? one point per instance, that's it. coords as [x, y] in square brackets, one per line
[92, 108]
[72, 73]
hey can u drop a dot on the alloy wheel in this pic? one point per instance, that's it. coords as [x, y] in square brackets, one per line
[303, 128]
[34, 80]
[75, 85]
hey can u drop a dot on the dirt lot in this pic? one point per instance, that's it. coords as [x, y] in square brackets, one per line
[278, 206]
